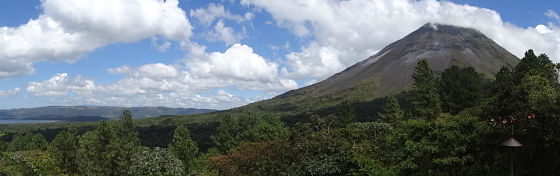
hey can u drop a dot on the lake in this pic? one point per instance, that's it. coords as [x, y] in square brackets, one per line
[12, 121]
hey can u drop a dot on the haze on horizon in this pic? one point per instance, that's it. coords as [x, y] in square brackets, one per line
[223, 54]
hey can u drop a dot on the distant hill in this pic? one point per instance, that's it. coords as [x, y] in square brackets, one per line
[92, 113]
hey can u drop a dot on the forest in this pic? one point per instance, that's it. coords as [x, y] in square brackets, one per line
[449, 123]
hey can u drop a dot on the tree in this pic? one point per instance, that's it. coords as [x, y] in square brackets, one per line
[346, 114]
[125, 143]
[184, 147]
[32, 162]
[63, 148]
[426, 99]
[96, 154]
[18, 143]
[248, 127]
[444, 146]
[226, 134]
[28, 141]
[2, 142]
[459, 88]
[532, 65]
[505, 100]
[525, 101]
[392, 111]
[157, 162]
[38, 142]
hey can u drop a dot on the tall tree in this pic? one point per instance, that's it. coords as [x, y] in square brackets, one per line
[392, 111]
[126, 143]
[459, 88]
[505, 100]
[184, 147]
[426, 99]
[532, 65]
[95, 155]
[64, 148]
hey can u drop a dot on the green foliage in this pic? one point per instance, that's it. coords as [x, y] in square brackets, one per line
[96, 154]
[525, 103]
[460, 89]
[248, 127]
[184, 147]
[200, 163]
[2, 142]
[125, 143]
[108, 150]
[346, 113]
[32, 162]
[426, 99]
[446, 146]
[392, 111]
[63, 148]
[157, 162]
[504, 96]
[465, 141]
[28, 141]
[532, 65]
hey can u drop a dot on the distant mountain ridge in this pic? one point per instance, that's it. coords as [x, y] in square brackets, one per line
[92, 113]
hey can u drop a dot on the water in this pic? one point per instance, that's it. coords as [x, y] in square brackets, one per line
[12, 121]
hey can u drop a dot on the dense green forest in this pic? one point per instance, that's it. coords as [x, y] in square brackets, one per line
[450, 123]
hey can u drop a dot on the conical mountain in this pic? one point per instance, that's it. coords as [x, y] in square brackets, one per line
[392, 67]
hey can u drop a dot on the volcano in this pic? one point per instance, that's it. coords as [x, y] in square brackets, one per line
[391, 68]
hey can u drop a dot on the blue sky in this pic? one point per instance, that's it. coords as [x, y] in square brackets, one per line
[223, 53]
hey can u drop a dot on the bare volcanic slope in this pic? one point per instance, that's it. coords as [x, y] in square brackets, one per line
[392, 67]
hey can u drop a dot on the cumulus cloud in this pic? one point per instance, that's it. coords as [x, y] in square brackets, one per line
[4, 93]
[223, 33]
[239, 62]
[61, 84]
[207, 16]
[346, 32]
[132, 91]
[68, 29]
[237, 67]
[178, 85]
[215, 14]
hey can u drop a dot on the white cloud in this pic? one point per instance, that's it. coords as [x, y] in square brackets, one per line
[153, 71]
[552, 14]
[223, 33]
[4, 93]
[68, 29]
[60, 84]
[132, 91]
[217, 11]
[346, 32]
[238, 63]
[219, 31]
[162, 46]
[178, 85]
